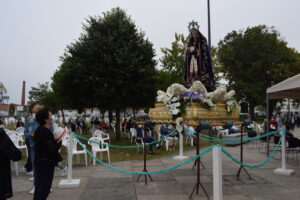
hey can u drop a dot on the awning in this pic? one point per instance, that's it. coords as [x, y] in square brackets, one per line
[289, 88]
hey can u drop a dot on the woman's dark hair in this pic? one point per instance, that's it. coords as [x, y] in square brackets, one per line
[42, 115]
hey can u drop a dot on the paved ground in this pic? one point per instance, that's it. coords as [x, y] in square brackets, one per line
[98, 182]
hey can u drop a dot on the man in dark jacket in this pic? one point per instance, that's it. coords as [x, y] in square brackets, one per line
[46, 156]
[8, 151]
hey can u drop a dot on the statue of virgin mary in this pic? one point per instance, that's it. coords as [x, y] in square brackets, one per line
[197, 65]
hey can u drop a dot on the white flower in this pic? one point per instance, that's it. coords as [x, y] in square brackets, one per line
[176, 104]
[176, 89]
[175, 111]
[174, 99]
[229, 102]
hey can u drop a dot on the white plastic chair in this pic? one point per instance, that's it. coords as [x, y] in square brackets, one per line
[79, 152]
[16, 140]
[20, 130]
[188, 137]
[99, 148]
[139, 141]
[166, 141]
[102, 135]
[132, 133]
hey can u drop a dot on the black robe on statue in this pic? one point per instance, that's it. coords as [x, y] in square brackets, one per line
[205, 72]
[8, 151]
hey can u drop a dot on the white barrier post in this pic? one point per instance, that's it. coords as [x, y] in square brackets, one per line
[70, 183]
[180, 156]
[283, 170]
[217, 174]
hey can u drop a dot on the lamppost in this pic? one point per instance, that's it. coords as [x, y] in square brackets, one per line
[208, 21]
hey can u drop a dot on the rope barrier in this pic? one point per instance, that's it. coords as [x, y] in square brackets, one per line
[270, 157]
[203, 136]
[123, 147]
[206, 150]
[150, 172]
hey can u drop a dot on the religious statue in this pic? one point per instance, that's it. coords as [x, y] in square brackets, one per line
[197, 65]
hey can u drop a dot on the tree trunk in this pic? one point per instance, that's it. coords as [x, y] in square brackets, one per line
[63, 116]
[251, 111]
[133, 113]
[118, 132]
[103, 115]
[110, 116]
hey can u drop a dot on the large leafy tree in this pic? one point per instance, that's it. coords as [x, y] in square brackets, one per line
[254, 59]
[111, 66]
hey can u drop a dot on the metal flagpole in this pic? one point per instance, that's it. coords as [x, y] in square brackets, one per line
[208, 22]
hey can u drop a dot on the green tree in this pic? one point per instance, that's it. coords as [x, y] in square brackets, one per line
[254, 59]
[173, 59]
[44, 95]
[111, 66]
[37, 93]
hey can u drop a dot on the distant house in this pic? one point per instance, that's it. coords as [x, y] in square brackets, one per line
[4, 110]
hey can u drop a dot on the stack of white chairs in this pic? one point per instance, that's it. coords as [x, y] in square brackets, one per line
[99, 148]
[16, 140]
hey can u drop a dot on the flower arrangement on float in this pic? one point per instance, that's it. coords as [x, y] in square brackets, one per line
[177, 98]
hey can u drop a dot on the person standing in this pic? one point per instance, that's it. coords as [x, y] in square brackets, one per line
[32, 126]
[28, 164]
[46, 156]
[8, 152]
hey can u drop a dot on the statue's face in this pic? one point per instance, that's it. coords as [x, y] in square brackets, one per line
[194, 34]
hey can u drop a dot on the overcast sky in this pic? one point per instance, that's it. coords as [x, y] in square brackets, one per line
[34, 33]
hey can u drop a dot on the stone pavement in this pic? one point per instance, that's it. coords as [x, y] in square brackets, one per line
[98, 182]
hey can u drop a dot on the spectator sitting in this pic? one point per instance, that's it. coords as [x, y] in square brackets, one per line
[173, 138]
[233, 130]
[103, 126]
[250, 127]
[292, 141]
[142, 134]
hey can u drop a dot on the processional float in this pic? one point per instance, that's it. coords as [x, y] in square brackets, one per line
[198, 102]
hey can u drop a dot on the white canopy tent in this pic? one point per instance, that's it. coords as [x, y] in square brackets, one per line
[289, 88]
